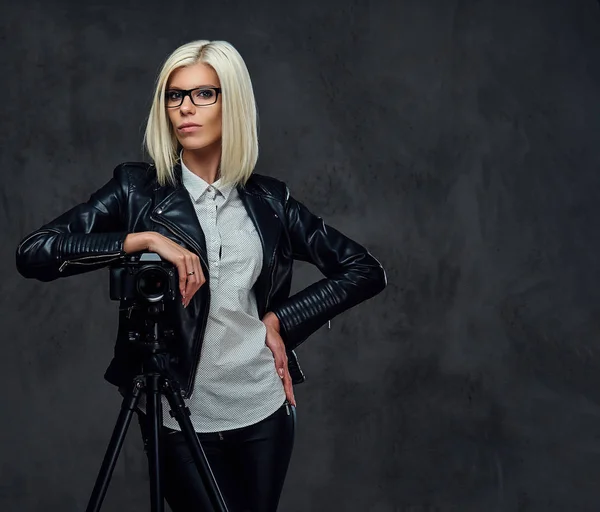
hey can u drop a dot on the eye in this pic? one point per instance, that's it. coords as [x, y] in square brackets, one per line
[173, 95]
[205, 94]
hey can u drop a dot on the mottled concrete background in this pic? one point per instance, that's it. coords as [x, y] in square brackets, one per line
[458, 140]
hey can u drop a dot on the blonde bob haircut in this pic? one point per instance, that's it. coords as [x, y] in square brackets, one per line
[239, 138]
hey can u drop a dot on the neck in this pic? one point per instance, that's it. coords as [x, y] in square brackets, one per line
[203, 162]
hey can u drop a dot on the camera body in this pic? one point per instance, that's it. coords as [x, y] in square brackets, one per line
[143, 277]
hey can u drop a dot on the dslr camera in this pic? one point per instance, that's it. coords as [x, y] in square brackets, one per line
[142, 278]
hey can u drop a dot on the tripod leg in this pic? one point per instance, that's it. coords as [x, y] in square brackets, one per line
[155, 420]
[181, 414]
[114, 447]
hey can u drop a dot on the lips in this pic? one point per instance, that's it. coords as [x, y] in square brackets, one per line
[188, 127]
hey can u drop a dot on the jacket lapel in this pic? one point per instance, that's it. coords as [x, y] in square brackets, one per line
[176, 212]
[268, 225]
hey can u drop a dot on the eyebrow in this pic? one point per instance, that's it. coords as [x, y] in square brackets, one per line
[195, 87]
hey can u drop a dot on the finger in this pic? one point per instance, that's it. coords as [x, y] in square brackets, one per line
[288, 387]
[182, 277]
[199, 281]
[195, 279]
[199, 278]
[190, 286]
[280, 363]
[199, 272]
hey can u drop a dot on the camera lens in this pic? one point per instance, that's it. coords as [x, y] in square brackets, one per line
[152, 283]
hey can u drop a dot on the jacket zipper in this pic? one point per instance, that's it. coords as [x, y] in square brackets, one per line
[75, 261]
[269, 289]
[95, 259]
[272, 264]
[193, 244]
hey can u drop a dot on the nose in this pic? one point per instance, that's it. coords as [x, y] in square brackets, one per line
[187, 105]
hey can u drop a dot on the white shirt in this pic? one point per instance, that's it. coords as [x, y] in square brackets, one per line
[236, 380]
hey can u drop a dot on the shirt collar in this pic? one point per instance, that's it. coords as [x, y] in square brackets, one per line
[197, 187]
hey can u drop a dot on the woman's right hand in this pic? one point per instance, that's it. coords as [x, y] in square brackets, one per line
[185, 261]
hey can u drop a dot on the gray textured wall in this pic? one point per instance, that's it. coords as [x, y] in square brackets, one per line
[458, 140]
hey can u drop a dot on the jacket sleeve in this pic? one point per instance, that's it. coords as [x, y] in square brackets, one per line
[87, 237]
[352, 275]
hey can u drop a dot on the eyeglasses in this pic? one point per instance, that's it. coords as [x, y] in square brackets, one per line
[201, 96]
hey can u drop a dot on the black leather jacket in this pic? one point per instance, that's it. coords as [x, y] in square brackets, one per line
[90, 236]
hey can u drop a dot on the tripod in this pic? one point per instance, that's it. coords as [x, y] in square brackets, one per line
[154, 380]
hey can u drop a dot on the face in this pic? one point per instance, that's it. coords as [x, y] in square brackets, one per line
[207, 134]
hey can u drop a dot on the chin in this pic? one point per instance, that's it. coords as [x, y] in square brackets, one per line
[197, 145]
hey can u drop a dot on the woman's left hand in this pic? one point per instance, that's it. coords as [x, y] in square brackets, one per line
[275, 343]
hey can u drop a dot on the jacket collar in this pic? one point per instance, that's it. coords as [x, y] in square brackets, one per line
[196, 186]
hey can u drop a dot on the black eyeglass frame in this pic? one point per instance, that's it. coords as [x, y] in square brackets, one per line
[188, 92]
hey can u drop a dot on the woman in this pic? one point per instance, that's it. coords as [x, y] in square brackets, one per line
[232, 235]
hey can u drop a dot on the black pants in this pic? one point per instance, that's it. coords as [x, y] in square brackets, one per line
[249, 463]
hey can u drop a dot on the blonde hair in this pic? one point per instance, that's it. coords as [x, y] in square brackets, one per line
[239, 139]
